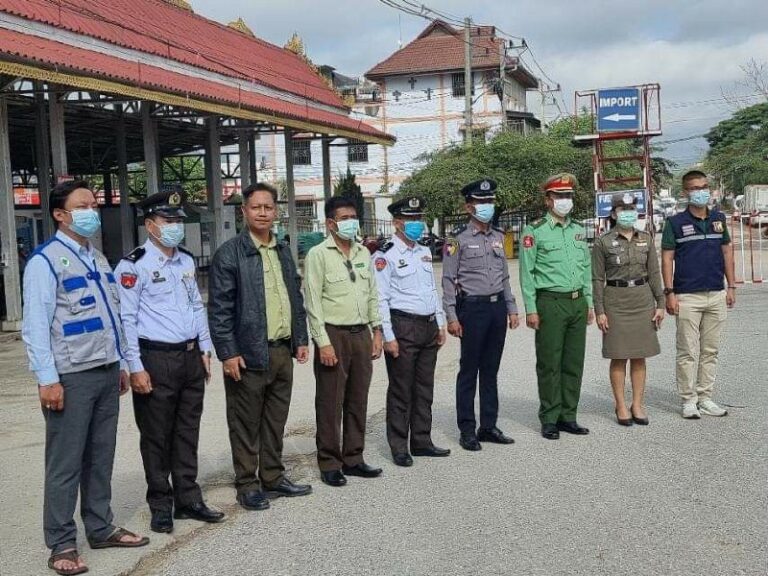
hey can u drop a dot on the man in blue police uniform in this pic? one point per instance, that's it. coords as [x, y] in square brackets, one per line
[75, 345]
[414, 330]
[696, 253]
[479, 305]
[168, 354]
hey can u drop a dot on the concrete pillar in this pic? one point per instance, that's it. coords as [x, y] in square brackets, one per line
[293, 229]
[58, 135]
[213, 178]
[243, 140]
[107, 179]
[8, 250]
[126, 214]
[43, 158]
[327, 187]
[252, 152]
[150, 149]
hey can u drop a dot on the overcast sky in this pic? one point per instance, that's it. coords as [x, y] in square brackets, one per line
[693, 48]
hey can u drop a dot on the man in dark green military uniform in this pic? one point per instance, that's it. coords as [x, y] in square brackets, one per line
[556, 281]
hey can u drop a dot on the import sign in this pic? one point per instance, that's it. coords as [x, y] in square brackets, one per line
[618, 110]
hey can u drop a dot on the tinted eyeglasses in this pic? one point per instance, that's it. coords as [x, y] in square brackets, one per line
[352, 275]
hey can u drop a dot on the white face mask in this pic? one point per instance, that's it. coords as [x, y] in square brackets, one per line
[563, 206]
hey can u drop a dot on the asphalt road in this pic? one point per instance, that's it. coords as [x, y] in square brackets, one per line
[675, 498]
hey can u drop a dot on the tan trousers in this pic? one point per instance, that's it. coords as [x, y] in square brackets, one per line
[699, 326]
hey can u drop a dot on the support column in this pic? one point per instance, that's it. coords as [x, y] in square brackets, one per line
[107, 179]
[243, 139]
[252, 153]
[327, 188]
[293, 229]
[43, 158]
[213, 179]
[128, 227]
[9, 252]
[58, 135]
[150, 149]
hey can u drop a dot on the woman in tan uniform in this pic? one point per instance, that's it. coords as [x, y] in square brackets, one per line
[629, 303]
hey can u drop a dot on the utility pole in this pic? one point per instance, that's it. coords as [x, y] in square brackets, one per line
[503, 81]
[468, 81]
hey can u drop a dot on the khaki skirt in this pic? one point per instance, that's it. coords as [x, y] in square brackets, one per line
[631, 334]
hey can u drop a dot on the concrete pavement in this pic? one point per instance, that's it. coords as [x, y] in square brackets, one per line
[676, 497]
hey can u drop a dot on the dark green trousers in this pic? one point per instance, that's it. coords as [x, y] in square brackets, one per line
[560, 343]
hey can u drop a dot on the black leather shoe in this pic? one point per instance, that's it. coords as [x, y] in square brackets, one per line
[624, 421]
[640, 421]
[162, 521]
[363, 470]
[288, 489]
[572, 428]
[333, 478]
[198, 511]
[493, 435]
[470, 442]
[550, 432]
[402, 459]
[255, 500]
[431, 451]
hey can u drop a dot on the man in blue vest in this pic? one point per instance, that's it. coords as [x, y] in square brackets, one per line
[75, 345]
[696, 254]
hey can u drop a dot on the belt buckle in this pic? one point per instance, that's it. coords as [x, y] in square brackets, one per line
[631, 284]
[190, 346]
[431, 318]
[494, 298]
[574, 295]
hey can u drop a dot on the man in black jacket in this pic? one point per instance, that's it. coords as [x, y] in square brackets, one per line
[258, 323]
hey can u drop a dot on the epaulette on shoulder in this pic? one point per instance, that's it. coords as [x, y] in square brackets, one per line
[539, 223]
[135, 255]
[498, 229]
[185, 251]
[458, 230]
[386, 246]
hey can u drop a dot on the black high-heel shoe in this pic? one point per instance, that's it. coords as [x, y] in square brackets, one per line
[623, 421]
[636, 420]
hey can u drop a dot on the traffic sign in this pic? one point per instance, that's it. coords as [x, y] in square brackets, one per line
[618, 110]
[604, 201]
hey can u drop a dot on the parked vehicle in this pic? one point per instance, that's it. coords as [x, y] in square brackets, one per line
[754, 204]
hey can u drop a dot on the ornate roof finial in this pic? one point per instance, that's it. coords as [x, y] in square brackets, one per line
[296, 45]
[241, 26]
[183, 4]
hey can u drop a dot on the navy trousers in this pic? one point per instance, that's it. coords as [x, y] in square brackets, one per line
[485, 328]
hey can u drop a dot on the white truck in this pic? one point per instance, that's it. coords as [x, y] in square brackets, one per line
[753, 204]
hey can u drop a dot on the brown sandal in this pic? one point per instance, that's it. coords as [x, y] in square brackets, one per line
[72, 556]
[115, 540]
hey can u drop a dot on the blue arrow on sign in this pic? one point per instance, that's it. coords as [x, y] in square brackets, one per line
[618, 110]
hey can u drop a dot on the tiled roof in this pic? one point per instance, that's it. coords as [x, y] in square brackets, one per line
[440, 48]
[165, 33]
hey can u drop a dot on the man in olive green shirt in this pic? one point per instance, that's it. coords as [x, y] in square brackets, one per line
[343, 310]
[556, 282]
[258, 323]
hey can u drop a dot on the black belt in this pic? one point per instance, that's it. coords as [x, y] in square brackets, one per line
[576, 294]
[187, 346]
[626, 283]
[419, 317]
[490, 298]
[279, 343]
[353, 328]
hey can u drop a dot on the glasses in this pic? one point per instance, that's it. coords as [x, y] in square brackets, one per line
[352, 275]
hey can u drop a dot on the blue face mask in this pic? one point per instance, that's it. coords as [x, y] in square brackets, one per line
[85, 222]
[413, 230]
[348, 229]
[171, 235]
[485, 212]
[626, 218]
[699, 197]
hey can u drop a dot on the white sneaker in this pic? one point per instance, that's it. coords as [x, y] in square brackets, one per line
[711, 409]
[690, 411]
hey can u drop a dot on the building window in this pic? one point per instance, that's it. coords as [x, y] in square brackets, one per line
[458, 84]
[357, 151]
[302, 152]
[305, 208]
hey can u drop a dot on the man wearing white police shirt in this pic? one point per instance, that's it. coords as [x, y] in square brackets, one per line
[168, 353]
[696, 254]
[414, 329]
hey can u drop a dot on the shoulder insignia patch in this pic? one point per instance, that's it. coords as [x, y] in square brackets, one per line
[458, 230]
[718, 227]
[540, 222]
[135, 255]
[451, 246]
[528, 241]
[387, 246]
[128, 280]
[380, 264]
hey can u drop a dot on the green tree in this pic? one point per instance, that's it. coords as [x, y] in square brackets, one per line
[347, 186]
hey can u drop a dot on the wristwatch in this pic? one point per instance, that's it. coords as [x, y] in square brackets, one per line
[668, 291]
